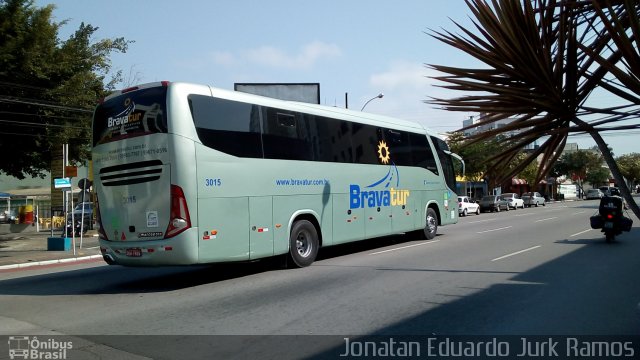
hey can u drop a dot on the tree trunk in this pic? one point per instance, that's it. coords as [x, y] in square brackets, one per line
[613, 166]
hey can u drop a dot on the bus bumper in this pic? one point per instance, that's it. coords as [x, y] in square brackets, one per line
[179, 250]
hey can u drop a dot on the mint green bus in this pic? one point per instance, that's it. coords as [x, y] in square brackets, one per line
[191, 174]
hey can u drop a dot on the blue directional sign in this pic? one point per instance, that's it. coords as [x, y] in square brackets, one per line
[62, 183]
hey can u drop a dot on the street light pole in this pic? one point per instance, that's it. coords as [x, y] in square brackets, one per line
[379, 96]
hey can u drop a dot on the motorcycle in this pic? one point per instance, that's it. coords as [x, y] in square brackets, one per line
[69, 230]
[610, 218]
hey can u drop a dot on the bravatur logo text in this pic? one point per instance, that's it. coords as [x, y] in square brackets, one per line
[380, 193]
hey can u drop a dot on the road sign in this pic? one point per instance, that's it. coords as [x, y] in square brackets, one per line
[62, 183]
[84, 184]
[71, 171]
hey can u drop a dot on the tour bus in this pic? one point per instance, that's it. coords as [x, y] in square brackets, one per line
[191, 174]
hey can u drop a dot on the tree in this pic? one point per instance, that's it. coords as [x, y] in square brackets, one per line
[630, 166]
[544, 60]
[475, 155]
[597, 176]
[48, 87]
[529, 173]
[578, 165]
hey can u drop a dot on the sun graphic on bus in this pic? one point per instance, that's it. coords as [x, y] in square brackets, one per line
[383, 152]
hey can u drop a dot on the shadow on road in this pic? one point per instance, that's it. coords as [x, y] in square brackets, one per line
[118, 279]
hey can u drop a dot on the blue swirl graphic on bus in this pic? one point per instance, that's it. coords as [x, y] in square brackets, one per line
[379, 193]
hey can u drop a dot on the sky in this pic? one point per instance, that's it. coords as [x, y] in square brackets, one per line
[354, 49]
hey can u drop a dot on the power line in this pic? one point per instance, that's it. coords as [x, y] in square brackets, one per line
[31, 124]
[40, 135]
[40, 115]
[9, 100]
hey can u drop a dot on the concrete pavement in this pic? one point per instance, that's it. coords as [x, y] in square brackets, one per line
[24, 250]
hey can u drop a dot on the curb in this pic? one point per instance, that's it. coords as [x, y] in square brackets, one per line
[49, 262]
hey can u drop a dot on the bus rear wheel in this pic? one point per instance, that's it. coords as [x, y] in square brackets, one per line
[303, 243]
[432, 224]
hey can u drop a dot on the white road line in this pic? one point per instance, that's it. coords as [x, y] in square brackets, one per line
[405, 247]
[481, 221]
[580, 212]
[551, 218]
[580, 233]
[521, 215]
[516, 253]
[498, 229]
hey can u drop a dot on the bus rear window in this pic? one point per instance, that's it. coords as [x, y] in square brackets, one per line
[132, 114]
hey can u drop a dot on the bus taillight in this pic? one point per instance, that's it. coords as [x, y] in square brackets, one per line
[179, 219]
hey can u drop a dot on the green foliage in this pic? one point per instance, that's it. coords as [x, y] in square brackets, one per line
[475, 155]
[598, 176]
[529, 173]
[577, 164]
[630, 166]
[48, 87]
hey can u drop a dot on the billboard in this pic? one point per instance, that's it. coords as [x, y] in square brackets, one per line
[303, 92]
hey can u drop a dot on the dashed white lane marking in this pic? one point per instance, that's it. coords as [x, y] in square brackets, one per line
[404, 247]
[498, 229]
[516, 253]
[580, 233]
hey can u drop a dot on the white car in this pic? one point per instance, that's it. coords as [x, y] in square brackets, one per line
[466, 206]
[514, 200]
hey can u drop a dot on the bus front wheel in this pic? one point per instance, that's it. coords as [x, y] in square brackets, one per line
[432, 224]
[303, 243]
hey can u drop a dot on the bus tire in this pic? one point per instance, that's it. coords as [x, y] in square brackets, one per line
[431, 228]
[303, 244]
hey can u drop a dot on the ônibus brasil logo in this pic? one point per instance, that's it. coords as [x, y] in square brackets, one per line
[380, 193]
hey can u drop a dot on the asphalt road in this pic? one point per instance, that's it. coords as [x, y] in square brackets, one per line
[535, 271]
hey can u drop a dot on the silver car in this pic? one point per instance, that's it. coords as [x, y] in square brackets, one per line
[594, 194]
[533, 199]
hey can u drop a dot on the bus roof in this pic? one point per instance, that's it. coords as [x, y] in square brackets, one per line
[323, 110]
[315, 109]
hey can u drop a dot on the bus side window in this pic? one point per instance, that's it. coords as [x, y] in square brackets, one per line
[228, 126]
[365, 144]
[330, 144]
[286, 136]
[399, 147]
[422, 153]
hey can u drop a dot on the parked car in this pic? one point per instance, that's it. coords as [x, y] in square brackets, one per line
[88, 214]
[594, 194]
[467, 206]
[533, 199]
[7, 217]
[514, 200]
[493, 203]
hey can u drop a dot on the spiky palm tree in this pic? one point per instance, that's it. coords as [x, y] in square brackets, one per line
[545, 60]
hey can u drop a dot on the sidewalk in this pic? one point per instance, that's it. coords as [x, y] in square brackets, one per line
[20, 250]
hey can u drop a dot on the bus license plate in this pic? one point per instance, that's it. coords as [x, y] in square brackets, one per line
[134, 252]
[608, 225]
